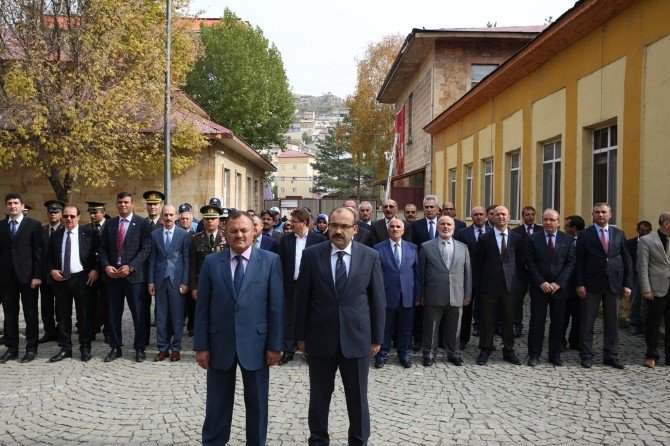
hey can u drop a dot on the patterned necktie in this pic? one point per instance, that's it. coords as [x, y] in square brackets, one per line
[503, 246]
[396, 254]
[13, 228]
[445, 254]
[67, 256]
[480, 232]
[239, 274]
[168, 240]
[431, 231]
[340, 274]
[603, 240]
[550, 245]
[120, 236]
[528, 230]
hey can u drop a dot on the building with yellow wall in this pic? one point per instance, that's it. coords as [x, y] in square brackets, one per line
[579, 115]
[295, 174]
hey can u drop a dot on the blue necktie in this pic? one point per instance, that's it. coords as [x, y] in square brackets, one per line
[14, 228]
[396, 254]
[168, 240]
[239, 275]
[431, 232]
[340, 274]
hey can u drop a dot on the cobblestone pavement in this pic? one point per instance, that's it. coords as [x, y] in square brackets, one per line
[95, 403]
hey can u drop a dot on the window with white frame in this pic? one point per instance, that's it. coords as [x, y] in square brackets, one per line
[467, 190]
[487, 180]
[551, 175]
[226, 187]
[238, 190]
[514, 196]
[479, 72]
[604, 167]
[452, 185]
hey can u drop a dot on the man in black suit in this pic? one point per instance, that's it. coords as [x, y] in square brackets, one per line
[550, 258]
[379, 231]
[604, 272]
[449, 209]
[340, 311]
[261, 240]
[291, 247]
[362, 235]
[154, 205]
[497, 272]
[124, 248]
[525, 230]
[47, 297]
[21, 255]
[574, 224]
[637, 311]
[470, 236]
[410, 212]
[365, 215]
[73, 279]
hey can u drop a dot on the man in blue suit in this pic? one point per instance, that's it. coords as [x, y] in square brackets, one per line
[239, 319]
[262, 240]
[339, 324]
[402, 286]
[168, 282]
[125, 246]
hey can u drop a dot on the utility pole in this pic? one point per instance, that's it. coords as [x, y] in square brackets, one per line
[166, 128]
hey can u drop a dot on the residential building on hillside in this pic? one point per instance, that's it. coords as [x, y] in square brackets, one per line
[295, 174]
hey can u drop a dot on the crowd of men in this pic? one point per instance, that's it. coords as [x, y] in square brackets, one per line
[340, 288]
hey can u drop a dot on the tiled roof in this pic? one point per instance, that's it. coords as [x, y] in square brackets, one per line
[294, 154]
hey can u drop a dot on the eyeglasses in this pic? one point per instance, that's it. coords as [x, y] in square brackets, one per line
[339, 226]
[388, 206]
[68, 217]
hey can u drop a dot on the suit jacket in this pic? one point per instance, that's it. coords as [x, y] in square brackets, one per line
[243, 325]
[363, 236]
[172, 262]
[467, 236]
[402, 286]
[420, 233]
[631, 244]
[653, 265]
[379, 231]
[23, 254]
[521, 230]
[353, 321]
[89, 243]
[46, 274]
[268, 243]
[199, 249]
[287, 257]
[458, 224]
[444, 285]
[362, 224]
[542, 267]
[136, 247]
[493, 273]
[602, 272]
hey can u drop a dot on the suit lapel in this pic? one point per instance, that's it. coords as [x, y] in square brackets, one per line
[328, 270]
[226, 274]
[255, 264]
[659, 245]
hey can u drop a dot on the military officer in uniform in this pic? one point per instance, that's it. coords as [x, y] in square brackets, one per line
[47, 297]
[210, 240]
[98, 309]
[154, 200]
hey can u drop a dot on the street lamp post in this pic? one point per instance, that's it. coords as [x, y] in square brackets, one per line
[166, 129]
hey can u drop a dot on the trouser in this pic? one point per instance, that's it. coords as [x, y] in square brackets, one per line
[449, 319]
[657, 309]
[518, 311]
[507, 304]
[13, 293]
[572, 313]
[75, 289]
[190, 311]
[48, 309]
[589, 309]
[538, 317]
[289, 323]
[117, 289]
[466, 324]
[400, 320]
[170, 308]
[638, 308]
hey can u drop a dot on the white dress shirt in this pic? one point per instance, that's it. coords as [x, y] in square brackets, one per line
[75, 260]
[333, 258]
[300, 243]
[399, 242]
[499, 238]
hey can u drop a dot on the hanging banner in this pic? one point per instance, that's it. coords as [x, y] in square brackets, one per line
[400, 141]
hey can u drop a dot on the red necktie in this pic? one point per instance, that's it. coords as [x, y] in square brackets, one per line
[119, 240]
[603, 240]
[550, 245]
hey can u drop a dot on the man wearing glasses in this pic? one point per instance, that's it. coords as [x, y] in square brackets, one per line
[379, 231]
[449, 209]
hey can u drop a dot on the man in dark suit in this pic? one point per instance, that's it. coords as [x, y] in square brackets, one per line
[124, 249]
[604, 272]
[637, 311]
[497, 274]
[550, 257]
[261, 240]
[470, 236]
[410, 212]
[47, 297]
[449, 209]
[73, 279]
[446, 281]
[525, 230]
[574, 224]
[21, 256]
[98, 310]
[239, 320]
[365, 215]
[379, 231]
[154, 203]
[362, 235]
[167, 282]
[340, 308]
[402, 287]
[291, 247]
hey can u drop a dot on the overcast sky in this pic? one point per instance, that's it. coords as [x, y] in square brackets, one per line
[320, 41]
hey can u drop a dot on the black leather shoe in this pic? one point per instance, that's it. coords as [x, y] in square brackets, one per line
[483, 358]
[29, 356]
[379, 364]
[512, 359]
[456, 361]
[427, 362]
[407, 364]
[140, 356]
[8, 356]
[533, 360]
[558, 362]
[587, 363]
[62, 354]
[46, 338]
[86, 355]
[285, 358]
[113, 354]
[614, 362]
